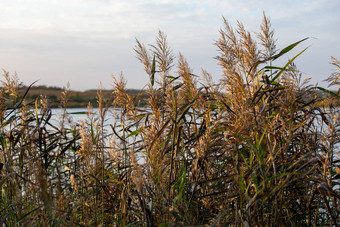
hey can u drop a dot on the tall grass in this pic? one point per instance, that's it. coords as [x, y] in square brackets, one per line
[258, 148]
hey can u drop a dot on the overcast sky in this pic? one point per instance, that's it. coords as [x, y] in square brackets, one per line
[86, 41]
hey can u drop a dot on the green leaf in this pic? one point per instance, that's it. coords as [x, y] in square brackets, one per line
[82, 112]
[262, 136]
[153, 71]
[282, 52]
[2, 181]
[328, 91]
[27, 214]
[140, 116]
[276, 67]
[159, 133]
[186, 109]
[134, 133]
[285, 67]
[288, 48]
[245, 160]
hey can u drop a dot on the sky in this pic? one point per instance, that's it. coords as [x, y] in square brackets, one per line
[84, 42]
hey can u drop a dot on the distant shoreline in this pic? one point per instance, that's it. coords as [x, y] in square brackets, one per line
[81, 99]
[75, 99]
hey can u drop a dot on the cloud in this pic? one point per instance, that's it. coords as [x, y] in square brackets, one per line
[76, 38]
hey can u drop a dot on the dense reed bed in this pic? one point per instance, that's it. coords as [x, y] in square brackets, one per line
[255, 149]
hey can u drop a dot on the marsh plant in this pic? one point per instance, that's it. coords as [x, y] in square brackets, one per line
[259, 148]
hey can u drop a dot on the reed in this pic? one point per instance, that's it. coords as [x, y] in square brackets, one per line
[255, 149]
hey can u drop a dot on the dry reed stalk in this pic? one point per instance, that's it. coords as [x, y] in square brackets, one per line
[254, 149]
[121, 98]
